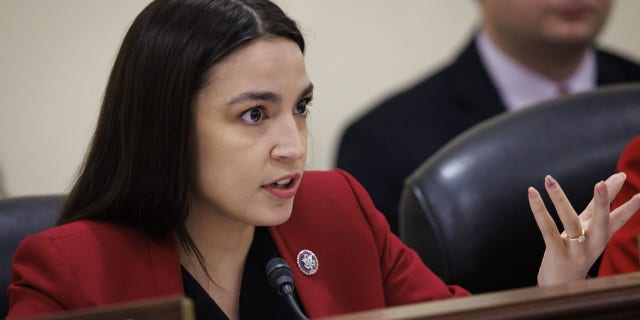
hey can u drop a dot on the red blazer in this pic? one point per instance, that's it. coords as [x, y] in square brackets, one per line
[621, 254]
[362, 265]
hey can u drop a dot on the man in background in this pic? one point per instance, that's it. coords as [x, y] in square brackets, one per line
[524, 52]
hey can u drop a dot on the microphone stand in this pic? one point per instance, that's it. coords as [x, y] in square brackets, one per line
[280, 277]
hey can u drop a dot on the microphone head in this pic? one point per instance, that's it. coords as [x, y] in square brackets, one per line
[280, 276]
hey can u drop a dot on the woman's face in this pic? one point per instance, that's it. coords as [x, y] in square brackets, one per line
[251, 134]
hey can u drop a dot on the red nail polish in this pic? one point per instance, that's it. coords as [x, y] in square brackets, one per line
[550, 181]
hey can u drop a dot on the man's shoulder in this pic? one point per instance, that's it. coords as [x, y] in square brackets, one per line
[614, 67]
[611, 56]
[439, 90]
[419, 100]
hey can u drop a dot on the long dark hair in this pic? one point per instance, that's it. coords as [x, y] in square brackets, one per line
[140, 165]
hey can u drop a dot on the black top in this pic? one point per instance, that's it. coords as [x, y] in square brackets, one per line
[258, 300]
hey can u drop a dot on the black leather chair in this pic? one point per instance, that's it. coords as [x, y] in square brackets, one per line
[465, 210]
[20, 217]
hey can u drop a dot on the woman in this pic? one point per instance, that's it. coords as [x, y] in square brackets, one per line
[189, 186]
[621, 254]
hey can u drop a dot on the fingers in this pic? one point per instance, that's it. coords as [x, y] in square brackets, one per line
[614, 184]
[545, 223]
[599, 226]
[620, 215]
[568, 216]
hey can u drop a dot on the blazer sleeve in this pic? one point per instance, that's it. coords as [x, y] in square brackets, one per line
[42, 281]
[406, 278]
[621, 254]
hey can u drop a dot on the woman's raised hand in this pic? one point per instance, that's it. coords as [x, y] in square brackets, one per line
[569, 255]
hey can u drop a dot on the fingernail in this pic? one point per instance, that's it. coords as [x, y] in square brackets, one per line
[550, 181]
[622, 174]
[601, 189]
[531, 192]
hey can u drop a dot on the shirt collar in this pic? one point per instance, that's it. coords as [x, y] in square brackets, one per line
[520, 86]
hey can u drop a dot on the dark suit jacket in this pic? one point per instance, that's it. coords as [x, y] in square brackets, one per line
[621, 253]
[389, 142]
[362, 265]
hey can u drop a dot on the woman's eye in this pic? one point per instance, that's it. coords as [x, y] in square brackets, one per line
[253, 115]
[302, 107]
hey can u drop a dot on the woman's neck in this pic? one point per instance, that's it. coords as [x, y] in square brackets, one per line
[224, 245]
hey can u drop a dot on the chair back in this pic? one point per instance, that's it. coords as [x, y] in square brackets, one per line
[465, 209]
[19, 218]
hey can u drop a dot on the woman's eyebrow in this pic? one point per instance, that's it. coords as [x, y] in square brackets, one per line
[306, 91]
[264, 96]
[255, 95]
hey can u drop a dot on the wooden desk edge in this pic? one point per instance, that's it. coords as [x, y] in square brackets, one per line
[166, 308]
[592, 293]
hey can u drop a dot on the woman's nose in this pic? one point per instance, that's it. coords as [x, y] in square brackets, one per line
[291, 140]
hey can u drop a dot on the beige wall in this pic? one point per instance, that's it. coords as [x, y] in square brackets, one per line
[55, 57]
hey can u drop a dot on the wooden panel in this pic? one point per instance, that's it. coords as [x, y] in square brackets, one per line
[171, 308]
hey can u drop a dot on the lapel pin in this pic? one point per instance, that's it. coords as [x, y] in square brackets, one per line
[307, 262]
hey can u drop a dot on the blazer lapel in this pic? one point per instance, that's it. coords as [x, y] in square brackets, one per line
[477, 94]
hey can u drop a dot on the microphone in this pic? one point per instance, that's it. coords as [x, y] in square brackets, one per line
[280, 277]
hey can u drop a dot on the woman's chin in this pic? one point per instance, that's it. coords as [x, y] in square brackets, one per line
[276, 216]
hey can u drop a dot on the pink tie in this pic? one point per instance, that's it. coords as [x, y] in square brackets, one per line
[563, 89]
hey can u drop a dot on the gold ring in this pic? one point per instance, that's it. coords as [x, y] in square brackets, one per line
[579, 238]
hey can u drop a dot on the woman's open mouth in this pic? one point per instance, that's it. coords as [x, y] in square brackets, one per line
[285, 188]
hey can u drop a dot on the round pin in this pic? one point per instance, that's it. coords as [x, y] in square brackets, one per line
[307, 262]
